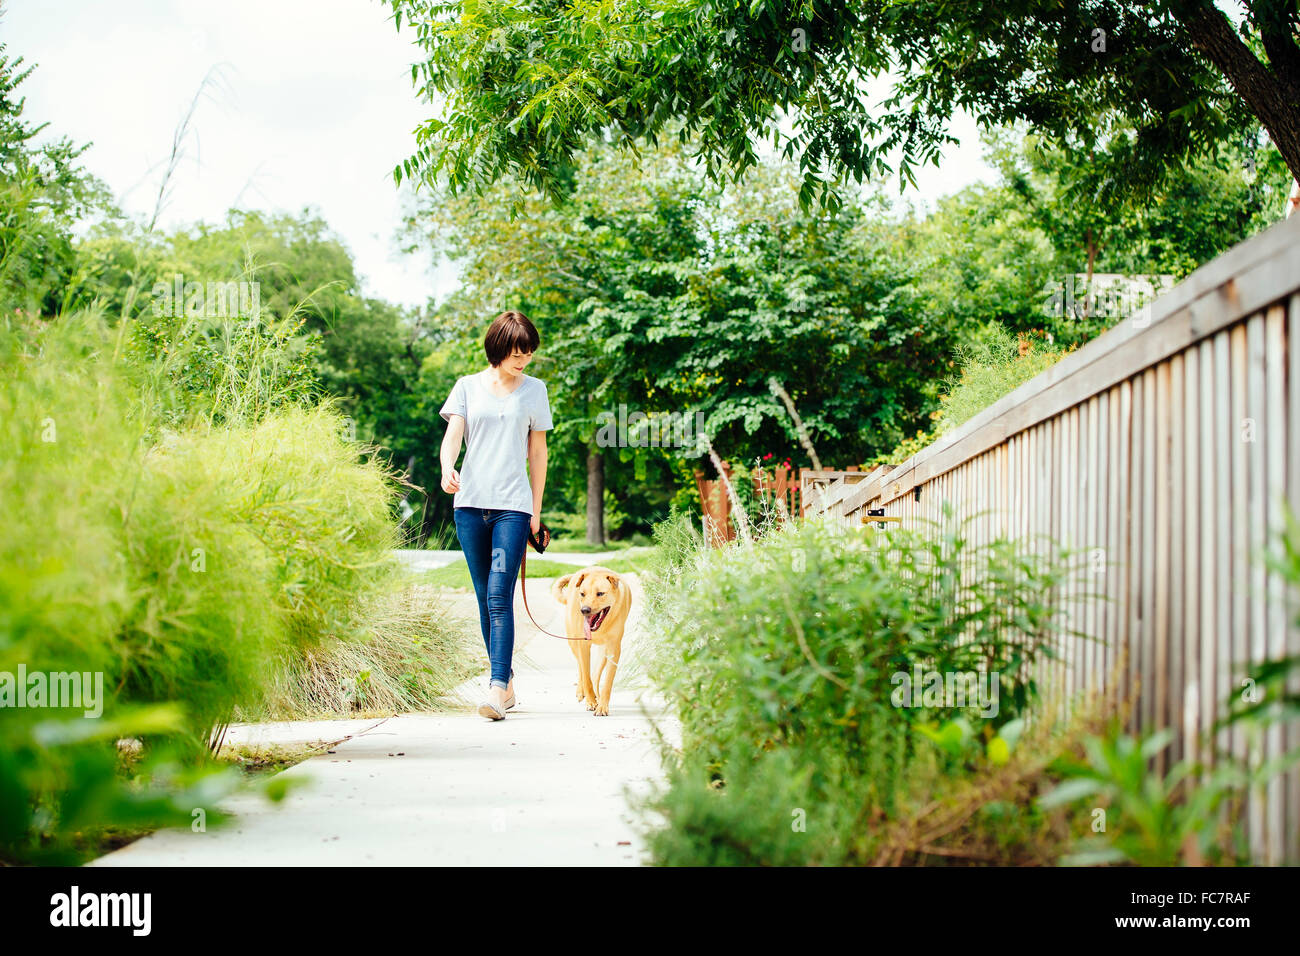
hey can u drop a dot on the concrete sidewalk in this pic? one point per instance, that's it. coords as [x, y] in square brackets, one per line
[545, 786]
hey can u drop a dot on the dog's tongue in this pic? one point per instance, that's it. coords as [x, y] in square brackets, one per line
[586, 627]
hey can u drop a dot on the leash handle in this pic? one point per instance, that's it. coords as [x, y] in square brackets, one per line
[523, 577]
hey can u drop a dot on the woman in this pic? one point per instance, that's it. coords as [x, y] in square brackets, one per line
[503, 415]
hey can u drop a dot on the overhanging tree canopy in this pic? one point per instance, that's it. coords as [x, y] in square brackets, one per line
[528, 82]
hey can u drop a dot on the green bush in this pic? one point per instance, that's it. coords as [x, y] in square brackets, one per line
[193, 559]
[253, 543]
[992, 366]
[791, 648]
[179, 567]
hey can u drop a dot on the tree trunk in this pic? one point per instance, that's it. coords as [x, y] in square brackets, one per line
[1271, 92]
[427, 517]
[424, 526]
[595, 495]
[1087, 281]
[431, 509]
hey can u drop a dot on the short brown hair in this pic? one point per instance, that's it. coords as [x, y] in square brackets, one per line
[509, 331]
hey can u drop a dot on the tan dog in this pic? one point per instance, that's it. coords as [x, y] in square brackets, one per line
[598, 601]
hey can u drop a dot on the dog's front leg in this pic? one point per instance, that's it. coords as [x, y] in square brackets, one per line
[585, 689]
[577, 648]
[609, 667]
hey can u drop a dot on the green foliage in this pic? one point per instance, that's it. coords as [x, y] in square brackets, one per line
[1054, 193]
[189, 563]
[221, 370]
[528, 85]
[784, 659]
[958, 740]
[979, 258]
[43, 193]
[550, 78]
[61, 784]
[766, 814]
[992, 365]
[1151, 819]
[1042, 223]
[1201, 210]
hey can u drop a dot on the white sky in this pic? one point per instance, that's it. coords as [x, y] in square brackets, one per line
[314, 108]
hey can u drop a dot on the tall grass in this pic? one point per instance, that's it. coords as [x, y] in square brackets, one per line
[405, 653]
[184, 516]
[184, 564]
[218, 370]
[992, 365]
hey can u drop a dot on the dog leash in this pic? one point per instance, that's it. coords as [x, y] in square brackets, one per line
[523, 577]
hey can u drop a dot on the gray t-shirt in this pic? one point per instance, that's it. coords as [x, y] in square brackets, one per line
[496, 441]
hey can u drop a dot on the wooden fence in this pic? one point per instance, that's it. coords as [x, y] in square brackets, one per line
[1166, 450]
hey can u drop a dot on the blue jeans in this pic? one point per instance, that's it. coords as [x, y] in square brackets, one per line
[493, 541]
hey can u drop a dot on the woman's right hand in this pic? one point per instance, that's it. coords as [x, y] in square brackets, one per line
[451, 481]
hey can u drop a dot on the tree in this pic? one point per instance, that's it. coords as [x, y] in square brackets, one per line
[44, 193]
[556, 265]
[654, 290]
[367, 353]
[527, 83]
[1052, 193]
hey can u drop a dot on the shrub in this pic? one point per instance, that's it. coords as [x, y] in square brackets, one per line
[782, 659]
[184, 566]
[192, 558]
[992, 366]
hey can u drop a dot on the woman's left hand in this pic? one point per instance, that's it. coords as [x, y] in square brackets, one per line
[536, 524]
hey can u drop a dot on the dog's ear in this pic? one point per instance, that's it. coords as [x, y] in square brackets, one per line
[557, 589]
[622, 590]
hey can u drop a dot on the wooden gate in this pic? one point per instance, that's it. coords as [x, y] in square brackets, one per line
[777, 490]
